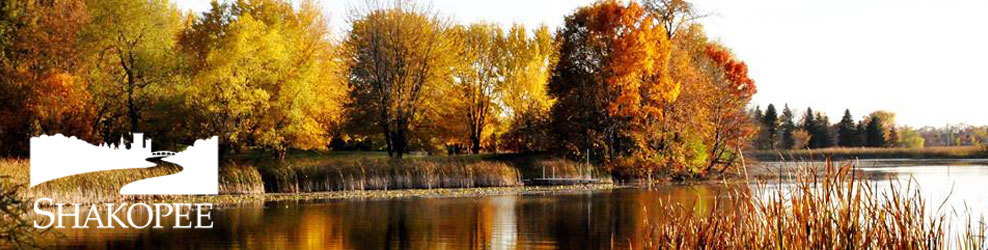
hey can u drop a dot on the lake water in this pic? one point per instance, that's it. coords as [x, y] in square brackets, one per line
[602, 219]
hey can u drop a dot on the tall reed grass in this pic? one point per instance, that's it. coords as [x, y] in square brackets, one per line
[303, 174]
[384, 174]
[240, 179]
[546, 166]
[819, 210]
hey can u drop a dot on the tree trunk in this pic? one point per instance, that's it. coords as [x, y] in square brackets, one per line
[474, 143]
[400, 143]
[387, 140]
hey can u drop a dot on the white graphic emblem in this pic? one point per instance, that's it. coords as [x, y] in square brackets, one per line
[57, 156]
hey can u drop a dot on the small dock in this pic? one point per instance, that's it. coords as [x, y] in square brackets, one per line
[558, 181]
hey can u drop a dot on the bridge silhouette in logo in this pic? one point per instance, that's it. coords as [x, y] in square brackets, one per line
[161, 154]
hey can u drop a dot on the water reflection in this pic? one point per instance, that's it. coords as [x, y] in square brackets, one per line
[608, 219]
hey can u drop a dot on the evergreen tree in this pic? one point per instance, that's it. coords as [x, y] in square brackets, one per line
[846, 131]
[823, 137]
[788, 127]
[809, 124]
[875, 132]
[861, 134]
[757, 114]
[770, 128]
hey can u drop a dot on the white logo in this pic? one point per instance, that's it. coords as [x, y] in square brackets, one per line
[57, 156]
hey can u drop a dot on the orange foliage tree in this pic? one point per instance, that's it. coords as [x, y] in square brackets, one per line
[39, 58]
[706, 127]
[646, 101]
[612, 84]
[735, 90]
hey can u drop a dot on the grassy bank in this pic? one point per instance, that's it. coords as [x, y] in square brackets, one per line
[960, 152]
[306, 172]
[821, 210]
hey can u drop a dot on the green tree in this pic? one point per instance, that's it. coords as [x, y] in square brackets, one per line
[757, 114]
[824, 136]
[846, 131]
[887, 123]
[861, 134]
[770, 127]
[787, 128]
[809, 124]
[875, 133]
[910, 138]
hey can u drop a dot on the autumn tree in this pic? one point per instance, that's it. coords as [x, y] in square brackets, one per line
[396, 56]
[733, 90]
[262, 74]
[611, 83]
[479, 77]
[704, 130]
[801, 139]
[41, 91]
[529, 63]
[672, 14]
[131, 46]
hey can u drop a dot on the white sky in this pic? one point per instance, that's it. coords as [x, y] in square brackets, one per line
[922, 59]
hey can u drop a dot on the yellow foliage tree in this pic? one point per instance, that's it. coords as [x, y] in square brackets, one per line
[399, 60]
[529, 63]
[271, 79]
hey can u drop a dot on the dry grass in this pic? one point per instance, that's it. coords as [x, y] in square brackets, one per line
[828, 210]
[385, 174]
[838, 153]
[240, 179]
[303, 174]
[561, 168]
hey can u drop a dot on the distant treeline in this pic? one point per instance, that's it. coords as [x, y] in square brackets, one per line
[877, 129]
[955, 135]
[636, 86]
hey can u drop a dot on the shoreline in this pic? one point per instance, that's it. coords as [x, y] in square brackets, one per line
[756, 171]
[233, 199]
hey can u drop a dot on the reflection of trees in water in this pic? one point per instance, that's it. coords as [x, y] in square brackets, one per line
[592, 220]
